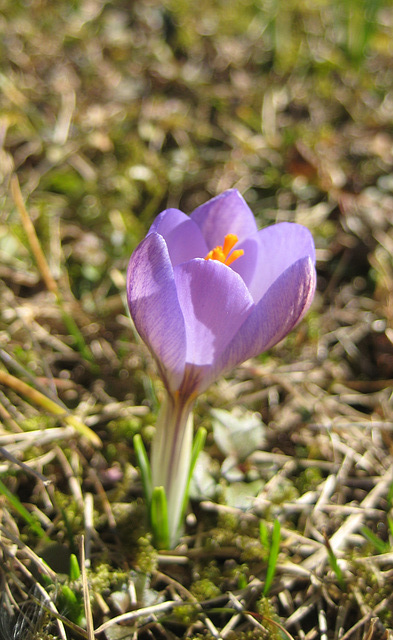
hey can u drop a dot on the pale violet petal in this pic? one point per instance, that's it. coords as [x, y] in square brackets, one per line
[155, 309]
[279, 310]
[270, 252]
[224, 214]
[183, 237]
[215, 303]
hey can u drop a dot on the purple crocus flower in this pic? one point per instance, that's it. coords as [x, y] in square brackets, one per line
[201, 317]
[207, 292]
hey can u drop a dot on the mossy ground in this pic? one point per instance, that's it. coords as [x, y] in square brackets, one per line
[110, 112]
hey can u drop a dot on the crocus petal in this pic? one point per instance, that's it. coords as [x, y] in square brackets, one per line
[166, 221]
[183, 237]
[226, 213]
[249, 263]
[280, 309]
[155, 309]
[215, 303]
[270, 252]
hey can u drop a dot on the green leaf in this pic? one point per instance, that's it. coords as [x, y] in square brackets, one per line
[334, 564]
[159, 518]
[273, 556]
[390, 524]
[144, 467]
[75, 571]
[26, 515]
[380, 545]
[264, 534]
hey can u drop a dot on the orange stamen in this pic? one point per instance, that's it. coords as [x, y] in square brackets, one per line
[229, 242]
[221, 253]
[234, 256]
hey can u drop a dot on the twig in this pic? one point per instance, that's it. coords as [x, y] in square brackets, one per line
[43, 401]
[340, 537]
[86, 595]
[43, 567]
[323, 627]
[302, 611]
[139, 613]
[89, 527]
[72, 478]
[24, 466]
[29, 552]
[27, 438]
[34, 243]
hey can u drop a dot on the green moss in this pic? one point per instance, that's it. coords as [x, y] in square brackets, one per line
[187, 615]
[285, 491]
[308, 480]
[205, 589]
[268, 618]
[124, 429]
[146, 558]
[252, 549]
[104, 577]
[241, 533]
[133, 531]
[373, 590]
[236, 576]
[228, 522]
[39, 422]
[72, 522]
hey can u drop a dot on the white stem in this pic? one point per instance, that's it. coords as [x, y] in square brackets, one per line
[171, 456]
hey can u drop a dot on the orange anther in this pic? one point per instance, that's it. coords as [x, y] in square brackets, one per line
[221, 253]
[234, 256]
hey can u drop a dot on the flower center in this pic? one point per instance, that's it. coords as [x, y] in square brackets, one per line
[221, 253]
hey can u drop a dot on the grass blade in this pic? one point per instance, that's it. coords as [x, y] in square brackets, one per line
[144, 467]
[26, 515]
[273, 555]
[159, 518]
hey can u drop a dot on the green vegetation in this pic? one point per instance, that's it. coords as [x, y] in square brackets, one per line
[110, 112]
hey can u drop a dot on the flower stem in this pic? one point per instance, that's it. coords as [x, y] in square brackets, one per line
[171, 457]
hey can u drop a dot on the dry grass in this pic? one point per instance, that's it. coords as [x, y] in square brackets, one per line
[110, 112]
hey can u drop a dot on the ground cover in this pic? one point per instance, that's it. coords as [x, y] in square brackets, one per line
[110, 112]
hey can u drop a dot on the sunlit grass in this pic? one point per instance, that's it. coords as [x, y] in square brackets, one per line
[108, 114]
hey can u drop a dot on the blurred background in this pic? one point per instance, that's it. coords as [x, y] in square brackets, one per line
[113, 111]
